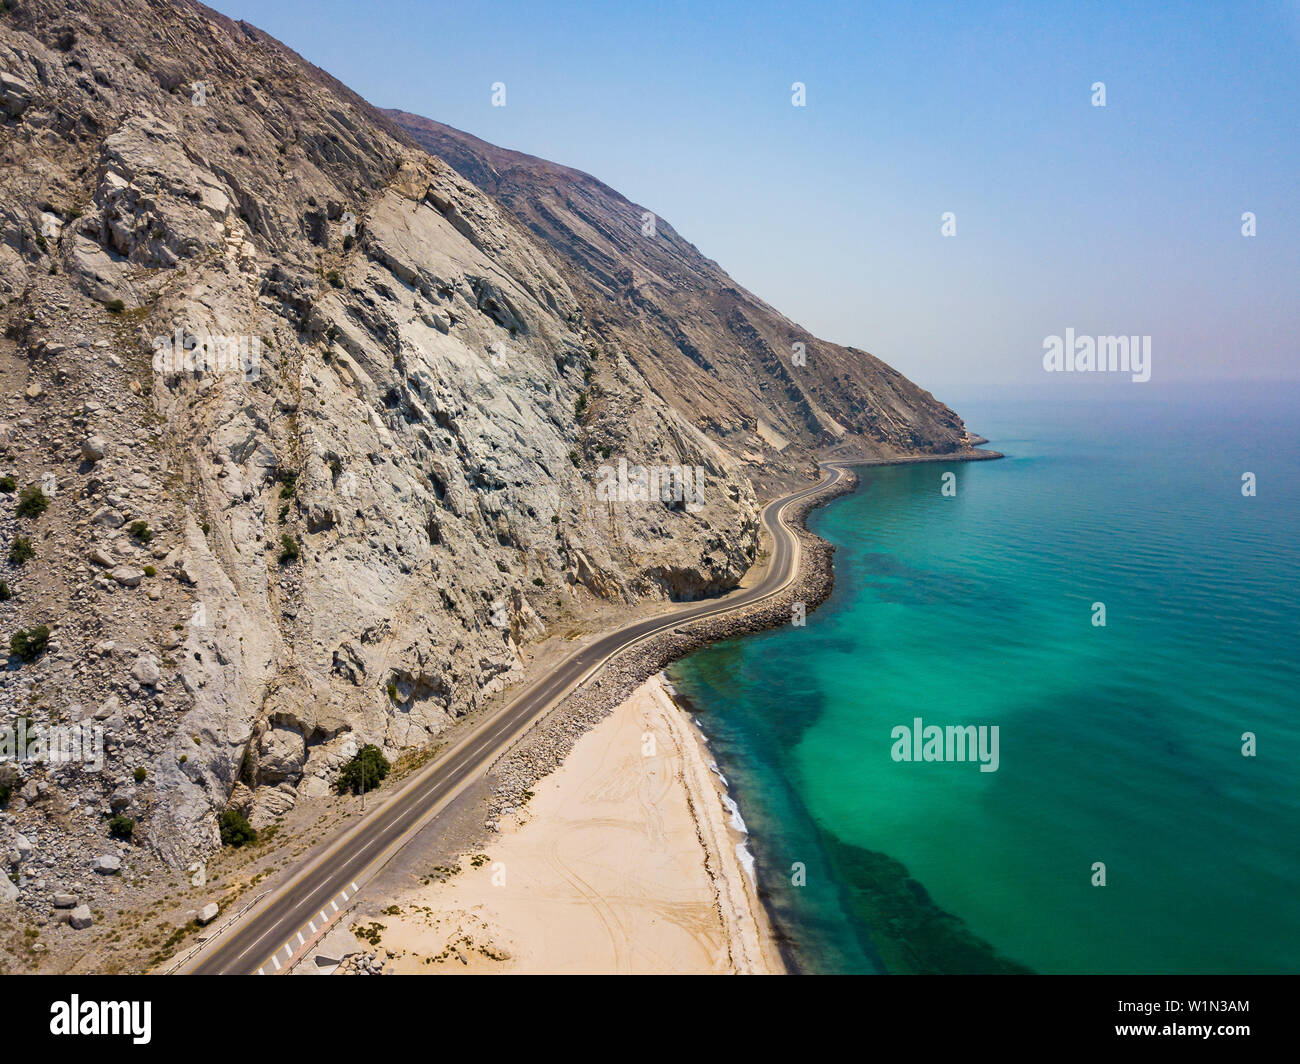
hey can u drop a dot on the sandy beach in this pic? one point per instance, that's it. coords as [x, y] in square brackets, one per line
[624, 861]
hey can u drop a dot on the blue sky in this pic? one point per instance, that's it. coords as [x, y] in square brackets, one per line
[1124, 219]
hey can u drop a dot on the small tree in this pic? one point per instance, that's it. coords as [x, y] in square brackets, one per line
[288, 549]
[21, 550]
[29, 643]
[32, 502]
[235, 829]
[121, 827]
[365, 771]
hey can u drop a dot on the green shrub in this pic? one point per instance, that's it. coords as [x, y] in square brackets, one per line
[29, 643]
[364, 772]
[32, 502]
[141, 774]
[5, 791]
[5, 593]
[8, 485]
[539, 582]
[334, 278]
[288, 549]
[235, 830]
[20, 550]
[392, 690]
[141, 531]
[115, 306]
[150, 570]
[121, 827]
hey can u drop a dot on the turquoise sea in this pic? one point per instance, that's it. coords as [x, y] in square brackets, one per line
[1120, 744]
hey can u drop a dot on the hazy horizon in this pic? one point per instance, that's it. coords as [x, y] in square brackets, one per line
[1117, 220]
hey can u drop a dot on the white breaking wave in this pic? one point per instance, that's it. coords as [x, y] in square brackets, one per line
[746, 861]
[737, 821]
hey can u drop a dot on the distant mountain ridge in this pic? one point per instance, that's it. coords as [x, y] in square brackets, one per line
[719, 354]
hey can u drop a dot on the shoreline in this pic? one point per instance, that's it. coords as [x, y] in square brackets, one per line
[545, 744]
[544, 750]
[627, 859]
[778, 935]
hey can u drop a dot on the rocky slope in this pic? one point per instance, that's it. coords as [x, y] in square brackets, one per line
[765, 388]
[321, 428]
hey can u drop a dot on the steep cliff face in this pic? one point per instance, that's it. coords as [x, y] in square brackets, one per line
[324, 435]
[765, 388]
[322, 431]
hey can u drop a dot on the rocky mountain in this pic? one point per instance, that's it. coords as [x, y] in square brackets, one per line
[763, 387]
[307, 432]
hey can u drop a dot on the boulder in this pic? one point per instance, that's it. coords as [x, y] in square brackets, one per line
[93, 448]
[186, 570]
[15, 94]
[145, 670]
[107, 864]
[127, 575]
[80, 918]
[107, 517]
[208, 913]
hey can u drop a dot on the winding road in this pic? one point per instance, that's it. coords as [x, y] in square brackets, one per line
[282, 925]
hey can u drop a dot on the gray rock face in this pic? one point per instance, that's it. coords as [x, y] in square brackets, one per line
[15, 94]
[364, 413]
[720, 352]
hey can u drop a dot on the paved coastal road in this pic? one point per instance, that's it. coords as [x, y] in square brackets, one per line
[280, 926]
